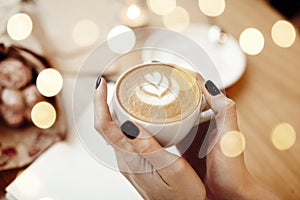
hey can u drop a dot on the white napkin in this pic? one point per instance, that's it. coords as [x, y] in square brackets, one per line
[67, 171]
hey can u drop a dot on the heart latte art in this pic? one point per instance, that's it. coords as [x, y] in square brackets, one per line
[158, 93]
[158, 90]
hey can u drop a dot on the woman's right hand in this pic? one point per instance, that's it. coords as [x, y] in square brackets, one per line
[227, 177]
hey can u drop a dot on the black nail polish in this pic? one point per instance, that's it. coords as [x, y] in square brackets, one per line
[98, 82]
[212, 88]
[130, 130]
[155, 61]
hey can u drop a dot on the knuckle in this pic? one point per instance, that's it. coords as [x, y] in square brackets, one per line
[100, 126]
[230, 105]
[180, 166]
[231, 110]
[144, 146]
[118, 139]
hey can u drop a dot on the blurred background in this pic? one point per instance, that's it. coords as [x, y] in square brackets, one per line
[254, 45]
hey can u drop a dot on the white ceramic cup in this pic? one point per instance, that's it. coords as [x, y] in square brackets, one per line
[167, 134]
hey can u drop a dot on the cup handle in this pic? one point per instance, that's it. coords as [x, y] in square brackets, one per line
[204, 115]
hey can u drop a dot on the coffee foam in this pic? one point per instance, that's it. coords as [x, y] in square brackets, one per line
[158, 93]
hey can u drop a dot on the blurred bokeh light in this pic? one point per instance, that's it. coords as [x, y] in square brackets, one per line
[49, 82]
[43, 115]
[85, 33]
[162, 7]
[133, 11]
[252, 41]
[233, 143]
[121, 39]
[19, 26]
[212, 8]
[283, 136]
[283, 33]
[177, 20]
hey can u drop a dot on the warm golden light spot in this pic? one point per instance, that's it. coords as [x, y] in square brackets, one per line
[133, 11]
[233, 143]
[19, 26]
[162, 7]
[212, 8]
[49, 82]
[177, 20]
[283, 33]
[43, 115]
[85, 33]
[134, 16]
[121, 39]
[283, 136]
[252, 41]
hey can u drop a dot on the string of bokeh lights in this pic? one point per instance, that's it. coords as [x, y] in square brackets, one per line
[86, 33]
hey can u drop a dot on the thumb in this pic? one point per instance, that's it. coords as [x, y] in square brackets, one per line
[147, 146]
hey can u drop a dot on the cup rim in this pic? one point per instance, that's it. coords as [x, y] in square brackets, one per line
[146, 122]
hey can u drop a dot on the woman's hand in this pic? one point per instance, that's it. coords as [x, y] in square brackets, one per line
[227, 177]
[154, 172]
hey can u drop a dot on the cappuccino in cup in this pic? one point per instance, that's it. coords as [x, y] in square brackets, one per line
[158, 93]
[164, 99]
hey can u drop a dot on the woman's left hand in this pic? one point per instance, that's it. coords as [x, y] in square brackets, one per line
[154, 172]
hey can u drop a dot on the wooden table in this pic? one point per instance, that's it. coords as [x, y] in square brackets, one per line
[266, 95]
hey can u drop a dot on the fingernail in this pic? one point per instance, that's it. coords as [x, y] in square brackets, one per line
[130, 130]
[98, 82]
[212, 88]
[155, 61]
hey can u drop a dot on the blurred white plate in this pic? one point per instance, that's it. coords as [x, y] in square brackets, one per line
[229, 59]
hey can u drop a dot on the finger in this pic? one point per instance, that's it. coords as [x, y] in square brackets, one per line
[215, 98]
[101, 110]
[125, 148]
[103, 121]
[147, 146]
[223, 107]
